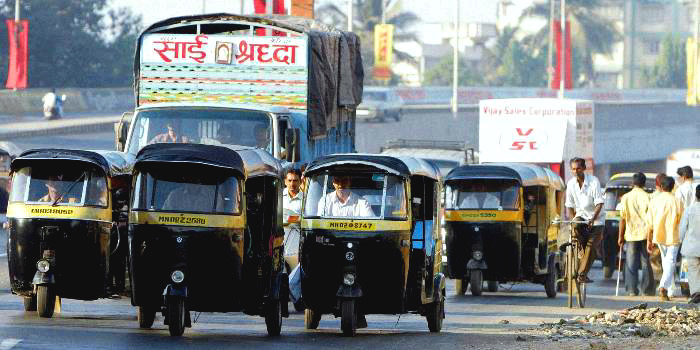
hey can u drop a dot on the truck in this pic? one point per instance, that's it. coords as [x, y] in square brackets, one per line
[288, 85]
[446, 155]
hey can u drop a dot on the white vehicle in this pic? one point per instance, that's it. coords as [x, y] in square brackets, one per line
[379, 104]
[446, 155]
[683, 157]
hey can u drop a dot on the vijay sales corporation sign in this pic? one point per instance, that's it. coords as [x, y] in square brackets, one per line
[521, 139]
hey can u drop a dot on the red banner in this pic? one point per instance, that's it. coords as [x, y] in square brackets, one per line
[18, 43]
[556, 27]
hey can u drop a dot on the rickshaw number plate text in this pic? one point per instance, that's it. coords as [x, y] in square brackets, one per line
[348, 225]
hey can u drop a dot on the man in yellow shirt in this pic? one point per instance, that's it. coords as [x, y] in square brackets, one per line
[633, 230]
[663, 217]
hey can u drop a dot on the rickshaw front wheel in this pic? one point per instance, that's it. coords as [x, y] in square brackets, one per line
[45, 300]
[146, 316]
[311, 319]
[460, 286]
[550, 282]
[476, 281]
[436, 313]
[348, 318]
[30, 303]
[176, 316]
[273, 318]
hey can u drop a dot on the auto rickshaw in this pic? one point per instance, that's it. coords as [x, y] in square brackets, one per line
[63, 210]
[617, 186]
[205, 233]
[370, 240]
[498, 222]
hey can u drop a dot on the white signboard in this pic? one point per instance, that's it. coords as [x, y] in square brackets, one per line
[521, 139]
[224, 49]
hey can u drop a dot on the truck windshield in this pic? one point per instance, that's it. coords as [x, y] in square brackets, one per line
[366, 196]
[481, 194]
[211, 126]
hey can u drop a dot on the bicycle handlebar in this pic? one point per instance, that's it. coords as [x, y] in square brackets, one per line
[555, 222]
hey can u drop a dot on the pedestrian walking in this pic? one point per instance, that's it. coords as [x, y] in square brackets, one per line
[685, 191]
[690, 249]
[663, 218]
[584, 200]
[633, 234]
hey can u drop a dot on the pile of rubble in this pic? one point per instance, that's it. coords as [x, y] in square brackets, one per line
[637, 321]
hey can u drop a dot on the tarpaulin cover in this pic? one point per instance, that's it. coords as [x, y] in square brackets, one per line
[335, 63]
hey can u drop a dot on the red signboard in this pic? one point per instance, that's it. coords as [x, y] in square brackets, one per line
[18, 43]
[556, 78]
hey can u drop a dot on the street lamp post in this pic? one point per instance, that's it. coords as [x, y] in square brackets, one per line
[349, 15]
[17, 30]
[455, 64]
[562, 73]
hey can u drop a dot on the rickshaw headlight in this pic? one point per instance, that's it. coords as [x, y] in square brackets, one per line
[478, 255]
[43, 265]
[177, 276]
[349, 279]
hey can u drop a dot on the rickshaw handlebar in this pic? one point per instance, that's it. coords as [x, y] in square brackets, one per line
[556, 222]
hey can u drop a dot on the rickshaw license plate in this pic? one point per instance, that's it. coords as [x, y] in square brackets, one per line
[351, 226]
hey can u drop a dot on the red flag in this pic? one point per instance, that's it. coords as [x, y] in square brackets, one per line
[18, 43]
[556, 27]
[260, 7]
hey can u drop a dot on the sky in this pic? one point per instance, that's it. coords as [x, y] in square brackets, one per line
[155, 10]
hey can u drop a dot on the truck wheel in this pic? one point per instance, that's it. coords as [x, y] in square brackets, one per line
[273, 318]
[176, 316]
[45, 300]
[311, 319]
[476, 282]
[30, 303]
[348, 318]
[146, 316]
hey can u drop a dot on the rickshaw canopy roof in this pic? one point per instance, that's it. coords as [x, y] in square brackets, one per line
[246, 161]
[524, 173]
[113, 163]
[402, 166]
[624, 181]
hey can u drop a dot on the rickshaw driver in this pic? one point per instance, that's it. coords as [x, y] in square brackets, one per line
[584, 200]
[53, 193]
[479, 198]
[343, 202]
[189, 197]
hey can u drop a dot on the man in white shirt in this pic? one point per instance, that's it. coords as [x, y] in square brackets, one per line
[685, 191]
[343, 202]
[478, 198]
[584, 200]
[292, 197]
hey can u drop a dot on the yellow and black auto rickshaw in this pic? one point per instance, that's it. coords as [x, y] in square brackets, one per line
[205, 233]
[63, 210]
[617, 186]
[498, 222]
[370, 242]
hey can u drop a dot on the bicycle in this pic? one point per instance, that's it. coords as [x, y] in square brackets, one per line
[571, 264]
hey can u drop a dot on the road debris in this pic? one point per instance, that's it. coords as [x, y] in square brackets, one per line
[638, 321]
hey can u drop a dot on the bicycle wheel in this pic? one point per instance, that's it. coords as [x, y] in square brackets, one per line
[570, 275]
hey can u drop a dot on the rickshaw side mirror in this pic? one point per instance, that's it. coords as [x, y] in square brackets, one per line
[121, 131]
[292, 144]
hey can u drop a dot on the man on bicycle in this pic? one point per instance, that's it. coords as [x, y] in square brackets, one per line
[584, 200]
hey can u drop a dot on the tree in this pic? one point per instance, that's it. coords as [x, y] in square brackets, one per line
[76, 43]
[591, 33]
[367, 14]
[520, 68]
[441, 74]
[669, 71]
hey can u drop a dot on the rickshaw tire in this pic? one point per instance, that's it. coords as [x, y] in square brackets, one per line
[492, 286]
[476, 281]
[45, 300]
[348, 318]
[550, 283]
[30, 303]
[460, 286]
[146, 317]
[436, 314]
[311, 319]
[273, 318]
[176, 316]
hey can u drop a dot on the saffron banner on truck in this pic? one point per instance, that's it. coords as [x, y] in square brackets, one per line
[224, 68]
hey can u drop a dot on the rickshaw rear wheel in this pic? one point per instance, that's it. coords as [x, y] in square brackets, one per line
[460, 286]
[30, 303]
[311, 319]
[273, 318]
[45, 300]
[436, 313]
[550, 282]
[146, 316]
[492, 286]
[348, 318]
[476, 281]
[176, 316]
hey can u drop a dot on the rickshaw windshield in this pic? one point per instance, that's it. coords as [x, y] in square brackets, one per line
[358, 195]
[186, 189]
[72, 186]
[481, 194]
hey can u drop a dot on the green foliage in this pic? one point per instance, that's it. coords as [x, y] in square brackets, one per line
[76, 43]
[441, 74]
[520, 67]
[670, 68]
